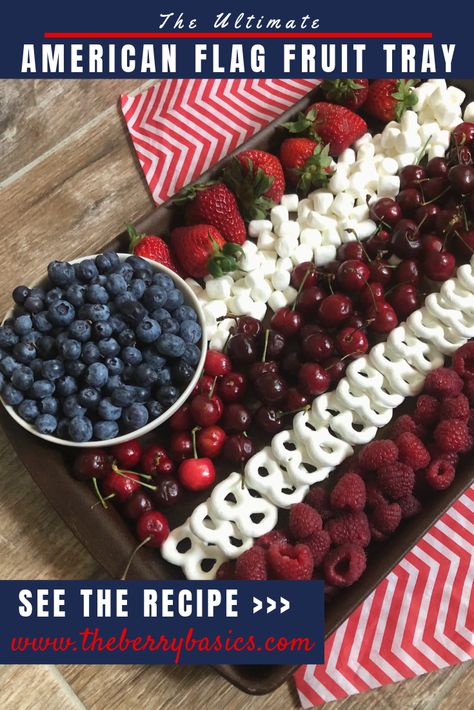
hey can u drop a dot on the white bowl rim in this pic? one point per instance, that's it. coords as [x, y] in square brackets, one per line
[155, 423]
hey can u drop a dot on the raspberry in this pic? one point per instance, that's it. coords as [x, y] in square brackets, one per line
[374, 496]
[426, 411]
[412, 451]
[252, 565]
[348, 493]
[455, 407]
[401, 425]
[377, 536]
[443, 382]
[378, 453]
[436, 453]
[349, 527]
[409, 505]
[440, 474]
[344, 565]
[463, 361]
[396, 480]
[386, 517]
[318, 499]
[468, 390]
[452, 436]
[290, 561]
[319, 544]
[304, 521]
[226, 570]
[270, 538]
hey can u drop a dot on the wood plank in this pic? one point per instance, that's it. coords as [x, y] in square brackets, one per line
[35, 688]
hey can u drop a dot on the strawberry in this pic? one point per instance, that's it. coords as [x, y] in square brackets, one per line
[256, 179]
[201, 249]
[306, 163]
[350, 93]
[389, 98]
[334, 125]
[213, 203]
[150, 246]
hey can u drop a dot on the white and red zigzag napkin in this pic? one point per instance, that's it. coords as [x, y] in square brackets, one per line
[420, 618]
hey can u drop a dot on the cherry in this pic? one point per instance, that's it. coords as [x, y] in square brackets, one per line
[330, 269]
[381, 271]
[350, 341]
[268, 419]
[217, 364]
[409, 200]
[152, 527]
[439, 266]
[411, 175]
[155, 460]
[449, 220]
[242, 349]
[351, 250]
[295, 399]
[355, 321]
[352, 275]
[238, 448]
[305, 272]
[313, 379]
[137, 504]
[386, 210]
[119, 486]
[93, 463]
[309, 329]
[290, 363]
[334, 309]
[433, 188]
[404, 299]
[232, 387]
[470, 204]
[181, 419]
[261, 368]
[425, 216]
[204, 386]
[463, 134]
[128, 454]
[270, 388]
[181, 445]
[249, 326]
[336, 368]
[317, 347]
[461, 179]
[384, 317]
[236, 418]
[432, 243]
[379, 242]
[408, 271]
[465, 244]
[374, 290]
[437, 167]
[206, 410]
[287, 320]
[196, 473]
[210, 440]
[406, 241]
[309, 301]
[168, 492]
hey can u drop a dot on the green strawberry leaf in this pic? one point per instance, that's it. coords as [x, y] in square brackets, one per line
[404, 96]
[316, 171]
[135, 238]
[249, 188]
[187, 194]
[303, 124]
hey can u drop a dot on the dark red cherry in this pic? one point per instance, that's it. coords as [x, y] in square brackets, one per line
[384, 317]
[404, 299]
[409, 200]
[307, 272]
[411, 175]
[406, 242]
[309, 301]
[461, 179]
[408, 271]
[334, 309]
[381, 271]
[425, 217]
[437, 167]
[386, 210]
[439, 266]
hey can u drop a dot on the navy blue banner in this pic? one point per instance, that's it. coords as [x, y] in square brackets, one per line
[95, 40]
[162, 622]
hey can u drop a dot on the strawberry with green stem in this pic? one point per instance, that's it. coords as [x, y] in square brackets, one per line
[213, 203]
[350, 93]
[307, 164]
[389, 98]
[150, 246]
[256, 178]
[334, 125]
[202, 250]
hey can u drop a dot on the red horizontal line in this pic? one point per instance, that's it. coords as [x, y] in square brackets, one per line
[238, 35]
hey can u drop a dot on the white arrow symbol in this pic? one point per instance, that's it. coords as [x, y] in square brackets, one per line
[271, 605]
[285, 605]
[257, 605]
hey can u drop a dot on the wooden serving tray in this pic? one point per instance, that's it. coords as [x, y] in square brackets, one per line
[110, 540]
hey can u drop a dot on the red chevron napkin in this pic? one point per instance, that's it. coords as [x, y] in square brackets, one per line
[421, 617]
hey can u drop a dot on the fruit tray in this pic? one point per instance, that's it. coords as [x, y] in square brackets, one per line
[110, 541]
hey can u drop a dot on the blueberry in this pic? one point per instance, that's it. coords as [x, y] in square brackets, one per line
[160, 314]
[23, 325]
[66, 385]
[182, 372]
[61, 273]
[28, 410]
[126, 337]
[75, 368]
[131, 355]
[3, 353]
[190, 331]
[46, 424]
[80, 429]
[41, 322]
[154, 297]
[155, 409]
[62, 430]
[72, 408]
[36, 366]
[20, 294]
[167, 395]
[170, 325]
[174, 299]
[185, 313]
[164, 376]
[137, 262]
[135, 416]
[133, 312]
[123, 396]
[75, 294]
[148, 331]
[49, 405]
[105, 430]
[104, 262]
[114, 365]
[8, 365]
[38, 292]
[8, 337]
[116, 284]
[102, 329]
[108, 411]
[108, 347]
[12, 395]
[33, 338]
[24, 352]
[23, 378]
[54, 294]
[128, 374]
[96, 312]
[163, 281]
[191, 354]
[34, 304]
[96, 294]
[112, 383]
[121, 299]
[144, 275]
[42, 388]
[170, 345]
[117, 323]
[126, 270]
[89, 397]
[52, 369]
[61, 336]
[137, 288]
[145, 375]
[2, 380]
[71, 349]
[96, 375]
[86, 270]
[80, 330]
[152, 358]
[61, 313]
[99, 280]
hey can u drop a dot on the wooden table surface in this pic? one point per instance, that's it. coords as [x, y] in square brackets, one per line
[68, 182]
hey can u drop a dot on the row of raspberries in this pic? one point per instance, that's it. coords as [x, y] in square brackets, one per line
[328, 533]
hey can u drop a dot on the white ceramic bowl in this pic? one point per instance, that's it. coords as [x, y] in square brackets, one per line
[189, 299]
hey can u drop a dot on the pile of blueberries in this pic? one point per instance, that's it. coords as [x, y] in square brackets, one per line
[103, 350]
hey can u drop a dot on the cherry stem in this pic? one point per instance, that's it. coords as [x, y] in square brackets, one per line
[371, 294]
[109, 497]
[357, 352]
[423, 151]
[130, 478]
[306, 408]
[463, 241]
[392, 288]
[361, 327]
[211, 392]
[116, 469]
[127, 568]
[265, 347]
[434, 199]
[466, 222]
[99, 494]
[193, 436]
[300, 288]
